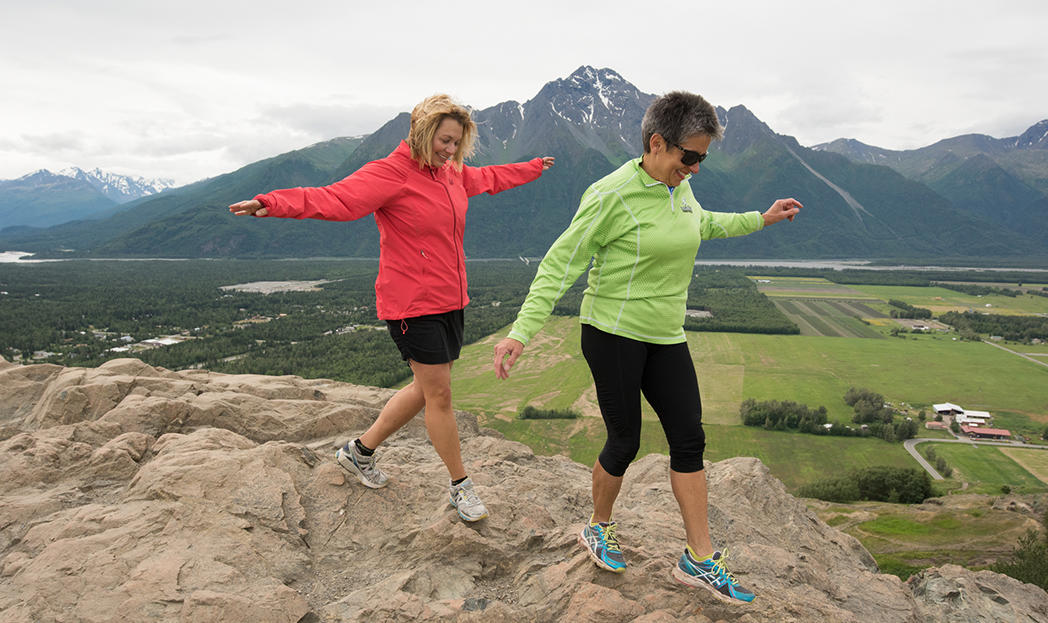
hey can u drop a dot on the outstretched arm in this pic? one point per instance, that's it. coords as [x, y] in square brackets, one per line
[360, 194]
[499, 177]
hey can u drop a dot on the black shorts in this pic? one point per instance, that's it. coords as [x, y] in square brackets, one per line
[432, 339]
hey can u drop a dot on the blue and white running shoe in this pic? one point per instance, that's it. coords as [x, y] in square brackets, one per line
[711, 574]
[600, 541]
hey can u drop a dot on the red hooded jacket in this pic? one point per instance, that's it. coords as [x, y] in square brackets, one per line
[420, 214]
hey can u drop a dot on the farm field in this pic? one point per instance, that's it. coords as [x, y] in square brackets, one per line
[1033, 461]
[989, 468]
[808, 287]
[941, 300]
[830, 318]
[917, 370]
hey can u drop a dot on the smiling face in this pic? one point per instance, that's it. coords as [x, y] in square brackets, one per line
[446, 141]
[663, 163]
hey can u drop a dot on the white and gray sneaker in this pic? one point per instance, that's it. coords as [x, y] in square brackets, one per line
[363, 467]
[466, 502]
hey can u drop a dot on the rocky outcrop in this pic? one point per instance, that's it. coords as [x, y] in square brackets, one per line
[136, 493]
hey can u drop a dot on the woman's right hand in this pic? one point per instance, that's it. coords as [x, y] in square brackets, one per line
[251, 207]
[510, 348]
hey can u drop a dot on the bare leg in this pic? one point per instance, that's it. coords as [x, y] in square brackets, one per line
[690, 491]
[398, 411]
[435, 384]
[605, 491]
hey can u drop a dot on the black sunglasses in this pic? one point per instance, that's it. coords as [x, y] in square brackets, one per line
[690, 157]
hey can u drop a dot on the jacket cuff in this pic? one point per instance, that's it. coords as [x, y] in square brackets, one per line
[518, 336]
[268, 205]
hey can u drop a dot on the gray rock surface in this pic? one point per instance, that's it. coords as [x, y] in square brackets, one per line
[136, 493]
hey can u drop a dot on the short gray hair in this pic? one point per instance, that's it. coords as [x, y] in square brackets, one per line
[677, 115]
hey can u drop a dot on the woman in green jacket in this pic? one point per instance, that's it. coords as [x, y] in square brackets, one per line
[642, 226]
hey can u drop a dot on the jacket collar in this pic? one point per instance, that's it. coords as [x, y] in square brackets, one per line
[646, 179]
[403, 151]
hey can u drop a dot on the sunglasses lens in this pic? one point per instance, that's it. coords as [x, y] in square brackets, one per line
[690, 157]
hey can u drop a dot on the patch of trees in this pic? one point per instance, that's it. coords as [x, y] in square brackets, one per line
[870, 410]
[939, 462]
[902, 309]
[783, 415]
[974, 290]
[1015, 328]
[1028, 562]
[736, 304]
[531, 413]
[329, 333]
[873, 418]
[878, 483]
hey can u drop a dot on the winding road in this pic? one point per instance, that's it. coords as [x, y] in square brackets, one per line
[911, 447]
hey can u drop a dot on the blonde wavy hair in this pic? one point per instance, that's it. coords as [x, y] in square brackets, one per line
[427, 117]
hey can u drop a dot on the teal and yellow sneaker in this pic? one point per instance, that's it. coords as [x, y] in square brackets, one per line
[603, 546]
[711, 573]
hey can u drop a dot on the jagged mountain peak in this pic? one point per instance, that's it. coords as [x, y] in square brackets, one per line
[1036, 137]
[119, 188]
[590, 96]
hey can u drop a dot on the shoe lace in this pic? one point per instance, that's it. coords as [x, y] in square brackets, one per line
[468, 496]
[611, 538]
[720, 569]
[368, 464]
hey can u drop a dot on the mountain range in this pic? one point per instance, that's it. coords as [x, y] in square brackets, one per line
[967, 196]
[44, 198]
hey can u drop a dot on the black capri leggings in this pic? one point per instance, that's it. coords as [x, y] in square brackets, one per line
[623, 368]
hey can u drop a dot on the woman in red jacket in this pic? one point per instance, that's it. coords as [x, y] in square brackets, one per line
[418, 195]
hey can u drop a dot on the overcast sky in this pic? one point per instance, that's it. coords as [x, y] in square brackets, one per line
[194, 89]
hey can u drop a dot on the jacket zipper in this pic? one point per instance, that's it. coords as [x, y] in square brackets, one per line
[454, 238]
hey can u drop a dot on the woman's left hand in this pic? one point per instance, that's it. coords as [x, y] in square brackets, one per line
[783, 209]
[547, 162]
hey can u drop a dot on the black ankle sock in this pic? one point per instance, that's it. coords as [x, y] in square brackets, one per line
[361, 448]
[459, 481]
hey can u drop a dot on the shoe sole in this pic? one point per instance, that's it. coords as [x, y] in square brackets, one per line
[693, 582]
[597, 561]
[351, 467]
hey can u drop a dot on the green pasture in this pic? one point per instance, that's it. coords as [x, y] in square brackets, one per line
[941, 300]
[987, 468]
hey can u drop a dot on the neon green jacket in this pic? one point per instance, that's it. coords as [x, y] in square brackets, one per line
[643, 240]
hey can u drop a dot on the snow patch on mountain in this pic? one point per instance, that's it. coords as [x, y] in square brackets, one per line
[119, 188]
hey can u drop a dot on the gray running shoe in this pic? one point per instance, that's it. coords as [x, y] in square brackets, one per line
[466, 502]
[363, 467]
